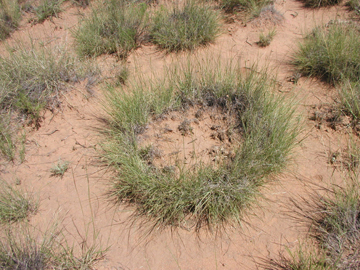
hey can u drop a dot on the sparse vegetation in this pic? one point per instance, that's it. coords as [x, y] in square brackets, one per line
[304, 258]
[59, 168]
[184, 28]
[265, 40]
[14, 205]
[337, 225]
[334, 223]
[251, 7]
[9, 17]
[206, 195]
[330, 53]
[113, 27]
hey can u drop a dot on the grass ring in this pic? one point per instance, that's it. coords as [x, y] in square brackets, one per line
[209, 195]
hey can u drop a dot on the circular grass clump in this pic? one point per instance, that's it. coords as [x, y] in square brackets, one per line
[330, 53]
[208, 194]
[184, 28]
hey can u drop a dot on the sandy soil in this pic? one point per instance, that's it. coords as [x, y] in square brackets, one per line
[191, 138]
[78, 198]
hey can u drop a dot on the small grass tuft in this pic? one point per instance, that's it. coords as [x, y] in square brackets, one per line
[330, 53]
[265, 40]
[122, 75]
[352, 156]
[350, 100]
[251, 7]
[208, 195]
[304, 258]
[14, 205]
[23, 247]
[10, 16]
[320, 3]
[7, 144]
[185, 27]
[113, 27]
[60, 168]
[354, 5]
[47, 9]
[81, 3]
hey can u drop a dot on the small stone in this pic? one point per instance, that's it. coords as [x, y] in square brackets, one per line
[167, 129]
[199, 114]
[185, 127]
[196, 121]
[214, 127]
[221, 135]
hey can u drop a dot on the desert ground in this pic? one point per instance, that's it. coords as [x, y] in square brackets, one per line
[78, 200]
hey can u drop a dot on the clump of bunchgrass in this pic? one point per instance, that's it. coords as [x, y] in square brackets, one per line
[122, 75]
[23, 247]
[320, 3]
[116, 26]
[330, 53]
[265, 40]
[7, 144]
[336, 225]
[333, 218]
[32, 79]
[352, 155]
[185, 27]
[20, 250]
[47, 9]
[14, 204]
[251, 7]
[82, 3]
[207, 195]
[350, 99]
[59, 168]
[9, 17]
